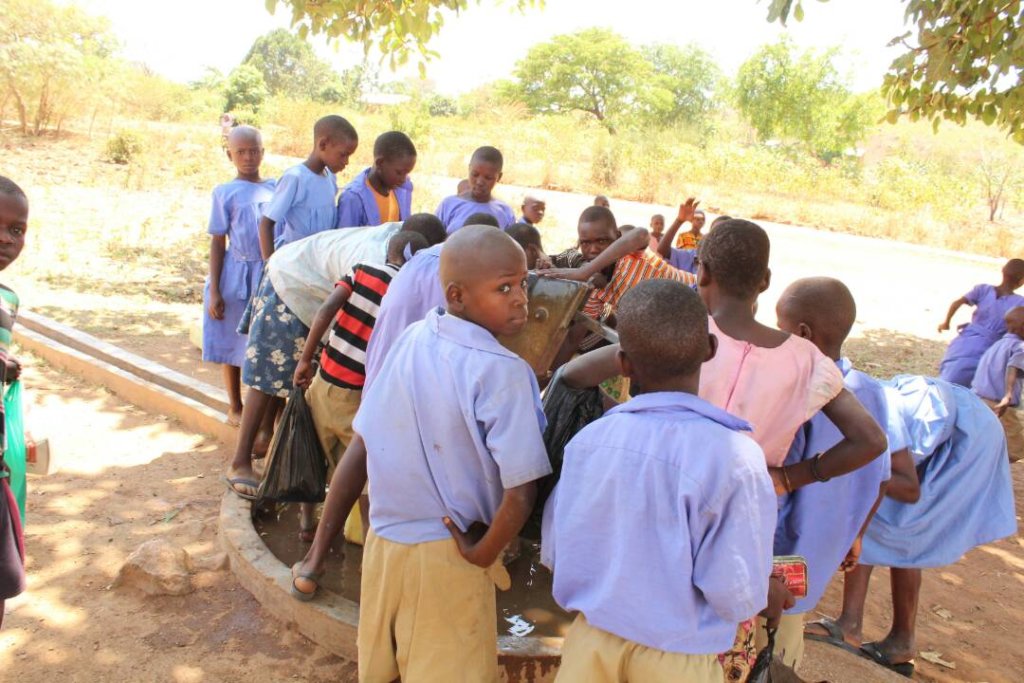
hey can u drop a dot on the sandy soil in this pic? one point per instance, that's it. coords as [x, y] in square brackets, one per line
[128, 476]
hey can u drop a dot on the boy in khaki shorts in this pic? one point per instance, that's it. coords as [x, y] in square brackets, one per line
[452, 424]
[660, 529]
[333, 394]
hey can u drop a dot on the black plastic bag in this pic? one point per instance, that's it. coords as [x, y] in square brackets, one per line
[296, 465]
[761, 672]
[567, 411]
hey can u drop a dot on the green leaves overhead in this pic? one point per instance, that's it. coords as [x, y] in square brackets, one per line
[963, 60]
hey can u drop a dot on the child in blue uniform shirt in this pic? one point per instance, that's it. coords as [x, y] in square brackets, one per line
[383, 192]
[659, 532]
[484, 173]
[997, 381]
[235, 262]
[304, 199]
[452, 429]
[822, 521]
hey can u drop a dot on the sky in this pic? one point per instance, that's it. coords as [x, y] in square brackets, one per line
[180, 39]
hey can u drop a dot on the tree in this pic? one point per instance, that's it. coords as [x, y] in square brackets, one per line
[245, 89]
[594, 71]
[397, 29]
[47, 53]
[685, 80]
[289, 66]
[964, 59]
[801, 97]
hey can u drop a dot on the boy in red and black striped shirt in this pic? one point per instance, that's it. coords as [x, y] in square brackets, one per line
[333, 394]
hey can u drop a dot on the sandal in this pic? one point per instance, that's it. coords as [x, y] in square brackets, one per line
[874, 652]
[835, 636]
[233, 482]
[298, 573]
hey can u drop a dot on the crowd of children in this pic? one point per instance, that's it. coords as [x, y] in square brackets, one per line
[749, 441]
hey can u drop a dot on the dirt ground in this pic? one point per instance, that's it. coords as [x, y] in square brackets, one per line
[123, 263]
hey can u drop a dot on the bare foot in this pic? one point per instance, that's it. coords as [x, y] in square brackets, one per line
[234, 417]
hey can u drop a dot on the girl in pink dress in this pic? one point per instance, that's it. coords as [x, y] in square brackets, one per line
[773, 380]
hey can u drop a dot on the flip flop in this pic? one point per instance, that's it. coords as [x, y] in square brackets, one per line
[231, 482]
[309, 576]
[834, 637]
[878, 657]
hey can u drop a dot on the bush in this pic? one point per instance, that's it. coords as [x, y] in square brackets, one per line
[123, 147]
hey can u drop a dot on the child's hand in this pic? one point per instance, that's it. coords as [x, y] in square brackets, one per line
[686, 210]
[216, 306]
[574, 274]
[303, 375]
[852, 558]
[543, 262]
[779, 600]
[468, 542]
[1003, 405]
[944, 327]
[12, 370]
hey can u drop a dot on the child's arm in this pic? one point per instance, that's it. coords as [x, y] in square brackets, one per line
[863, 441]
[266, 230]
[12, 369]
[634, 240]
[953, 307]
[904, 485]
[852, 558]
[590, 369]
[686, 210]
[1013, 374]
[218, 247]
[481, 545]
[321, 322]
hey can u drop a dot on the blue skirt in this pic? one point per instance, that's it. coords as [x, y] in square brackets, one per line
[276, 338]
[966, 491]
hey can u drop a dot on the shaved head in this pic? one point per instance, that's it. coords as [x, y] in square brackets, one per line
[824, 304]
[475, 252]
[1015, 320]
[1014, 269]
[663, 329]
[334, 128]
[243, 134]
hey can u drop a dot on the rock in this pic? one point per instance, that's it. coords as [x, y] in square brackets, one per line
[211, 563]
[157, 567]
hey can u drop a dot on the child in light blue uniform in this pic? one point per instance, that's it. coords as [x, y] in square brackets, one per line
[821, 522]
[484, 173]
[304, 200]
[235, 262]
[383, 192]
[997, 381]
[659, 532]
[452, 429]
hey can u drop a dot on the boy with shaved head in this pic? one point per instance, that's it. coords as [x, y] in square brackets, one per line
[822, 522]
[998, 381]
[452, 429]
[665, 456]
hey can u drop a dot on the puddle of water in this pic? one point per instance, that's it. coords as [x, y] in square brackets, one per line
[526, 609]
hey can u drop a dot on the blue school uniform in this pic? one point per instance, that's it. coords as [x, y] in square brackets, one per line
[683, 259]
[451, 421]
[820, 521]
[303, 204]
[990, 378]
[235, 214]
[987, 325]
[966, 499]
[357, 206]
[413, 293]
[660, 528]
[453, 212]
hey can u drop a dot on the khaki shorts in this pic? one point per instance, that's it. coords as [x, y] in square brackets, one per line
[333, 409]
[425, 614]
[590, 655]
[1013, 424]
[789, 639]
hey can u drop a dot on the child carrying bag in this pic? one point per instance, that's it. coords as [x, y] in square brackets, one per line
[296, 467]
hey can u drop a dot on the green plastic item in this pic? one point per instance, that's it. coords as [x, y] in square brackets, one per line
[14, 453]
